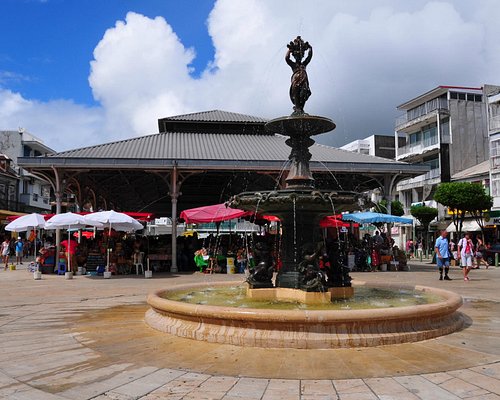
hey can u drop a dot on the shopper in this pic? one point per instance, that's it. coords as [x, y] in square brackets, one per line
[465, 254]
[480, 248]
[442, 248]
[19, 251]
[6, 252]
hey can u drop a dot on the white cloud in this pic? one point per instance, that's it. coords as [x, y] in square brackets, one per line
[61, 124]
[368, 58]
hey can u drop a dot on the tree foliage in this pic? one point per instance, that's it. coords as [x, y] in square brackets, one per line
[424, 214]
[396, 207]
[461, 198]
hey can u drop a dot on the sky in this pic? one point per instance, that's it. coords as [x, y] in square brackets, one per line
[81, 73]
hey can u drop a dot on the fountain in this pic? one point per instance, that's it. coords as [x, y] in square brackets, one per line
[300, 207]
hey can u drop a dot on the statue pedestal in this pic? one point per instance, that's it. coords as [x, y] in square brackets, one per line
[341, 292]
[288, 294]
[300, 296]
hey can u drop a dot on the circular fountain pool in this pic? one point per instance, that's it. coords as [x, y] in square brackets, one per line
[221, 314]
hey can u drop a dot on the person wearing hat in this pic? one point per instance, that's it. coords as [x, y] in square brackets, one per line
[19, 251]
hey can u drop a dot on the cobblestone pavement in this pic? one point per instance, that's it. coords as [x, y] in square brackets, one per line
[86, 339]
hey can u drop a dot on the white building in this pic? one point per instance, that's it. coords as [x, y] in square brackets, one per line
[32, 194]
[445, 128]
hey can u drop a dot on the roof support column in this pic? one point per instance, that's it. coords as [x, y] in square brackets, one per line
[174, 195]
[58, 194]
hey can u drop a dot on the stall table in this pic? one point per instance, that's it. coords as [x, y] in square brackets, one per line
[163, 260]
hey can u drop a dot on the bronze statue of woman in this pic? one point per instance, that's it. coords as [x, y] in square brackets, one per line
[299, 88]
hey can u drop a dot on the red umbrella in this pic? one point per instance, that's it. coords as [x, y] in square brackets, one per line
[70, 245]
[332, 222]
[85, 234]
[215, 213]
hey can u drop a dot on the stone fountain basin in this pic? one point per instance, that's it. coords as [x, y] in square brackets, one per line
[305, 329]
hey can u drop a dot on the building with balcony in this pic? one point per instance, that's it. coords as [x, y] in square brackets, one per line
[446, 129]
[375, 145]
[25, 192]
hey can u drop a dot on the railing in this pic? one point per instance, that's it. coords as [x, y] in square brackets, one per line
[35, 200]
[11, 205]
[423, 109]
[418, 147]
[418, 180]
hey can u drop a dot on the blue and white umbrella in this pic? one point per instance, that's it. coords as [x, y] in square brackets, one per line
[373, 217]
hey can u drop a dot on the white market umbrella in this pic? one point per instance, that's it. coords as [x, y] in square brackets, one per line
[67, 221]
[26, 222]
[30, 221]
[112, 219]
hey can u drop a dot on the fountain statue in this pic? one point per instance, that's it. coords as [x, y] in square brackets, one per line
[261, 315]
[300, 206]
[299, 88]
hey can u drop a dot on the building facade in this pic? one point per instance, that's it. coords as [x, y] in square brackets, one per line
[446, 129]
[24, 192]
[375, 145]
[493, 101]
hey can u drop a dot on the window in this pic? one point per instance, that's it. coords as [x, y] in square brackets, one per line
[433, 163]
[45, 191]
[495, 148]
[12, 192]
[461, 96]
[495, 185]
[454, 95]
[415, 138]
[470, 97]
[478, 98]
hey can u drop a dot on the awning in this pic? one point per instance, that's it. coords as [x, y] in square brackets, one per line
[6, 214]
[467, 226]
[213, 213]
[372, 217]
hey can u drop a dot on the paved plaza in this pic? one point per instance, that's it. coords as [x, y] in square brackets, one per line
[86, 339]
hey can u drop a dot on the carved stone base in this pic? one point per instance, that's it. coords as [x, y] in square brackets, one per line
[305, 329]
[341, 292]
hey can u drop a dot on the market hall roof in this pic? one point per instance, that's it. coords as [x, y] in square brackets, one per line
[213, 140]
[214, 160]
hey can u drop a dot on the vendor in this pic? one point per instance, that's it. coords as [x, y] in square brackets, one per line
[201, 259]
[70, 248]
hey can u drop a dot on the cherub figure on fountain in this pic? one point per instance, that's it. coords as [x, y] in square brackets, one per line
[337, 272]
[261, 276]
[312, 278]
[299, 88]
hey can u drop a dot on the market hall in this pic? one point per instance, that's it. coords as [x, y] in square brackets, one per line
[200, 159]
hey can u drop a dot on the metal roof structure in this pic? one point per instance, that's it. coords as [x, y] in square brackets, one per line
[477, 172]
[215, 116]
[436, 92]
[216, 153]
